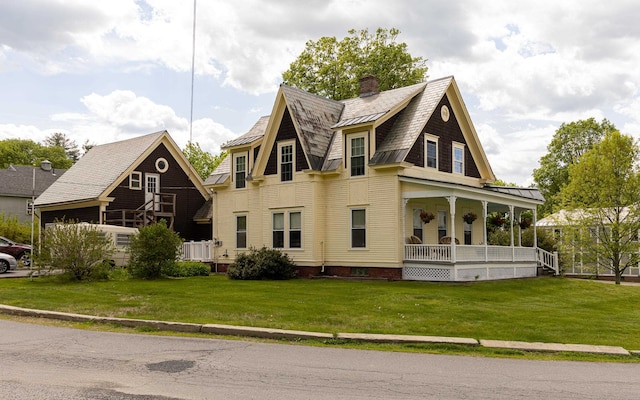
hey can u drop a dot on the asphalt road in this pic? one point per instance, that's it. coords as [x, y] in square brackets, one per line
[44, 362]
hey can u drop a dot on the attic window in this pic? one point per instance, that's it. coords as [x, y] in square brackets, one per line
[162, 165]
[135, 180]
[444, 113]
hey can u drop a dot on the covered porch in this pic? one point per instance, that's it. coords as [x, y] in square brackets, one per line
[446, 232]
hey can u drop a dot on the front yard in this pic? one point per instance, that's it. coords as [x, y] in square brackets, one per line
[535, 310]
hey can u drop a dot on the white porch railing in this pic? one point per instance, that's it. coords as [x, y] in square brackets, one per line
[198, 251]
[548, 259]
[468, 253]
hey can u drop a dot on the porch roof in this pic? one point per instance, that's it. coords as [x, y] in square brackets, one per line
[522, 197]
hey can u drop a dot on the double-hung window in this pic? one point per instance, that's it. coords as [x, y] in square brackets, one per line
[431, 152]
[278, 230]
[241, 231]
[358, 228]
[282, 225]
[240, 170]
[357, 156]
[286, 166]
[295, 230]
[458, 158]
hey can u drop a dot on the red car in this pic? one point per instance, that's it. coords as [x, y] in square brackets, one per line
[21, 252]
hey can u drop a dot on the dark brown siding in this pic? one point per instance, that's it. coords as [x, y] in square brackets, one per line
[286, 131]
[448, 132]
[416, 154]
[174, 180]
[85, 214]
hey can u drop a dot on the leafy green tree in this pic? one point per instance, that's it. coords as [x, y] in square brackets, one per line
[28, 152]
[78, 249]
[70, 147]
[604, 194]
[154, 250]
[569, 143]
[332, 68]
[203, 162]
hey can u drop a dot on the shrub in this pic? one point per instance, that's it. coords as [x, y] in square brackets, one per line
[154, 250]
[12, 229]
[184, 269]
[77, 249]
[262, 264]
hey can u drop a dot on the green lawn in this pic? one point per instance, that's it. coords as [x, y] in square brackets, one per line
[545, 310]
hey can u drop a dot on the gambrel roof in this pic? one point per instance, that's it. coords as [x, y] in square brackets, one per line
[104, 166]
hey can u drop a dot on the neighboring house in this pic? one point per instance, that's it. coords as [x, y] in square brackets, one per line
[19, 184]
[340, 186]
[575, 263]
[131, 183]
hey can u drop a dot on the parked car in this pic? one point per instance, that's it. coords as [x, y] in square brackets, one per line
[21, 252]
[7, 262]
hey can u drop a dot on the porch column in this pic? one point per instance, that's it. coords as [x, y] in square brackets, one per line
[519, 230]
[535, 230]
[405, 201]
[484, 231]
[511, 218]
[452, 213]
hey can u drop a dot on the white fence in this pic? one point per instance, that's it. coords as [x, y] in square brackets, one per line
[198, 251]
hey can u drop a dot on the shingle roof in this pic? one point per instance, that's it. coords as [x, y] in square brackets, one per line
[409, 124]
[313, 116]
[97, 170]
[18, 180]
[378, 104]
[221, 173]
[255, 133]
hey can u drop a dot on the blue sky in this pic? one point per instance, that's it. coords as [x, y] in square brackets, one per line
[107, 71]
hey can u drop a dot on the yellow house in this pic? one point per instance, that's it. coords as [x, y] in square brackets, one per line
[347, 187]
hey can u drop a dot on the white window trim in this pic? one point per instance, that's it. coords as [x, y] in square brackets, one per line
[348, 153]
[351, 227]
[138, 174]
[246, 231]
[291, 143]
[244, 154]
[431, 138]
[287, 229]
[454, 147]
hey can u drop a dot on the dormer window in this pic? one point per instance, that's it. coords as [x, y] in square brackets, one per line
[458, 158]
[357, 155]
[240, 170]
[286, 161]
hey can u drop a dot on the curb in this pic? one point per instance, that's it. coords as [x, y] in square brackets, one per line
[269, 333]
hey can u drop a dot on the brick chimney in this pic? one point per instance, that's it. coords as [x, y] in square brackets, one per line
[369, 86]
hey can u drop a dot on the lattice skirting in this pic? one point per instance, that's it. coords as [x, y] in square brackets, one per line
[423, 273]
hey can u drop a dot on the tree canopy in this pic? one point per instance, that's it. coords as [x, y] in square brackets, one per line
[569, 143]
[203, 162]
[603, 191]
[70, 147]
[28, 152]
[332, 68]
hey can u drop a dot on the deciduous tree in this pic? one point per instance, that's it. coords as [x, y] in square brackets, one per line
[569, 143]
[28, 152]
[603, 194]
[203, 162]
[332, 68]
